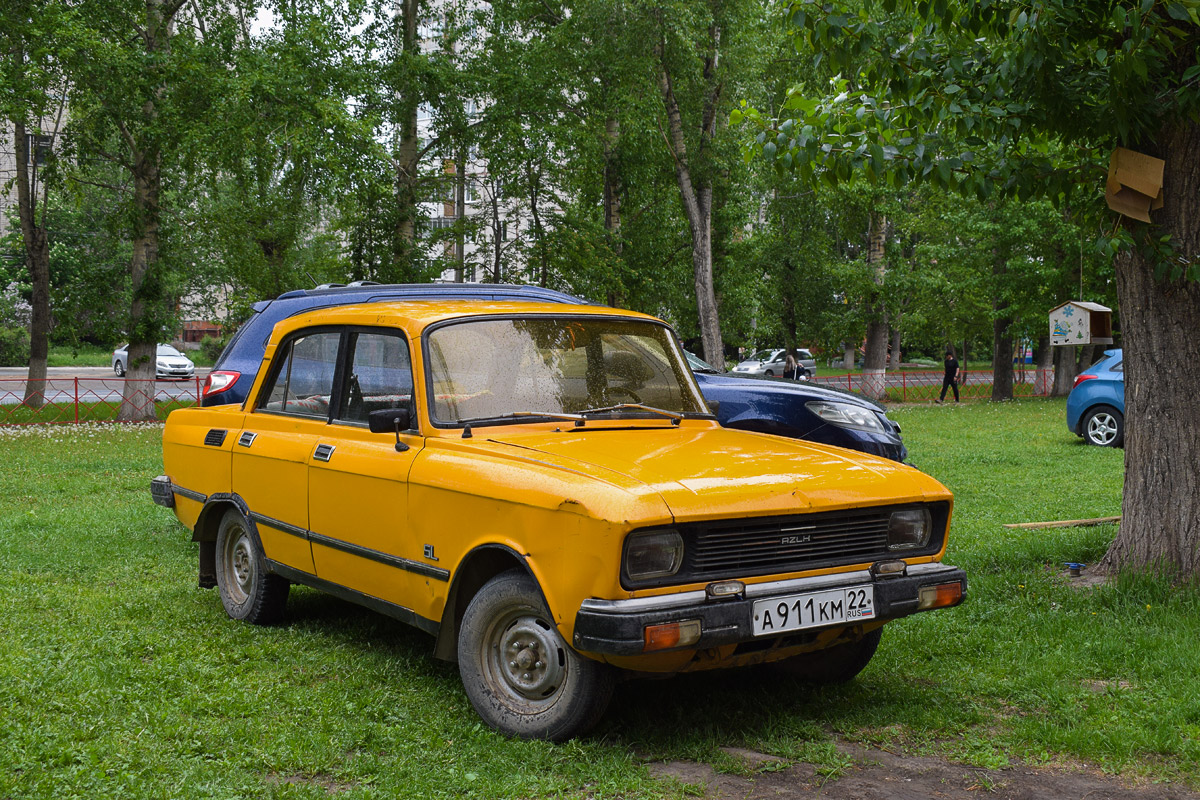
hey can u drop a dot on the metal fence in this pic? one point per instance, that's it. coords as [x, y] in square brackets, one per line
[73, 400]
[913, 387]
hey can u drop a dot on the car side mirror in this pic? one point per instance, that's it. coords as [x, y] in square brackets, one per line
[390, 419]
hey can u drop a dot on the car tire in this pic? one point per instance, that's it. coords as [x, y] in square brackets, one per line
[248, 591]
[119, 368]
[833, 665]
[518, 673]
[770, 373]
[1104, 426]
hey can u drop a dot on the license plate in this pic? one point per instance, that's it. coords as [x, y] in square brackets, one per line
[798, 611]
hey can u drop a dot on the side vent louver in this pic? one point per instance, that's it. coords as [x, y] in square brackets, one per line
[215, 437]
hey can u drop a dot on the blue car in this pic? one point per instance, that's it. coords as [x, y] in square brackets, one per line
[1096, 405]
[786, 408]
[799, 410]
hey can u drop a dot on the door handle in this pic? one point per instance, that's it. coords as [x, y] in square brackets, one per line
[323, 452]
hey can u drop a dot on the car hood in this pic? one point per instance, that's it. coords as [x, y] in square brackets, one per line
[710, 472]
[767, 386]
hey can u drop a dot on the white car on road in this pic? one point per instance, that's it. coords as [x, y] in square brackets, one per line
[169, 363]
[770, 363]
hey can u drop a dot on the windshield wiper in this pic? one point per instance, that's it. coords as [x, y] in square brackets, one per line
[675, 417]
[578, 419]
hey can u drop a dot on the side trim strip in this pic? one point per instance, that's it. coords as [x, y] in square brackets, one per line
[436, 573]
[406, 615]
[188, 493]
[278, 525]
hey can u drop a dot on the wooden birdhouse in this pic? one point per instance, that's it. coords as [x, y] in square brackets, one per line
[1079, 322]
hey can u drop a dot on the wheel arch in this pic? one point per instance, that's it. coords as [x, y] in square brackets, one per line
[477, 568]
[205, 532]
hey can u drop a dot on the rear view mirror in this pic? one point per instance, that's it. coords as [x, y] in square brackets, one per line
[389, 420]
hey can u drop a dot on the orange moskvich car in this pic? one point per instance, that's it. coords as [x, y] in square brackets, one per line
[542, 488]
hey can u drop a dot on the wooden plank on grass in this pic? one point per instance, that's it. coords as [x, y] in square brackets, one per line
[1068, 523]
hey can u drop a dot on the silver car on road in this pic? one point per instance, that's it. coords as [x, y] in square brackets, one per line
[169, 362]
[770, 363]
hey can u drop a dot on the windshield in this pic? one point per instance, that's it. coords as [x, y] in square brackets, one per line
[698, 364]
[168, 350]
[763, 355]
[494, 368]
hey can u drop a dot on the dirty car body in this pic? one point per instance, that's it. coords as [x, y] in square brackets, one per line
[542, 488]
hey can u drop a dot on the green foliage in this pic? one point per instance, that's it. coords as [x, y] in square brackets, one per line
[14, 347]
[212, 346]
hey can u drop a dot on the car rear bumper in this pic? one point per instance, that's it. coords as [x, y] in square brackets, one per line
[618, 627]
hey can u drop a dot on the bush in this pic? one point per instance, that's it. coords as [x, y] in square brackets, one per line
[211, 347]
[14, 347]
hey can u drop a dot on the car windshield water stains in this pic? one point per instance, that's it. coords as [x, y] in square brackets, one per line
[514, 369]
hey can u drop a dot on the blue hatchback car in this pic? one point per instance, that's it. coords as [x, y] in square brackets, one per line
[1096, 405]
[787, 408]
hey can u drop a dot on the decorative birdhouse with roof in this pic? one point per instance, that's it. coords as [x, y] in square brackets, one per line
[1079, 322]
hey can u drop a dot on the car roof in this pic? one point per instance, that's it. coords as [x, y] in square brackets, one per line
[416, 315]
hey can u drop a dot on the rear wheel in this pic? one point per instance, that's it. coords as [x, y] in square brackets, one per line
[1104, 426]
[833, 665]
[519, 674]
[119, 368]
[248, 591]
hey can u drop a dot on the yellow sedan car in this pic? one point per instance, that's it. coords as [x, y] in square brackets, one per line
[542, 488]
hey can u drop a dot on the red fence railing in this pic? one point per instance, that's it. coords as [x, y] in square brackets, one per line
[909, 387]
[57, 401]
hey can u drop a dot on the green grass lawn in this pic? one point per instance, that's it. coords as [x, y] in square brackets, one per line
[119, 678]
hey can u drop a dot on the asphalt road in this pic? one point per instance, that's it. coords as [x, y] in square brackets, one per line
[91, 384]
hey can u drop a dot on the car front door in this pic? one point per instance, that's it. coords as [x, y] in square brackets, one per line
[358, 483]
[272, 454]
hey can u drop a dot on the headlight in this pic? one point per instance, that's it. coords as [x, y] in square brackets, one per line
[657, 554]
[846, 415]
[909, 529]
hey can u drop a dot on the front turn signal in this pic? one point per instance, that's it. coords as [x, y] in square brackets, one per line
[671, 634]
[941, 596]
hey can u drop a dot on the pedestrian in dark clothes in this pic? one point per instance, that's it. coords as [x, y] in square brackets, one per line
[951, 378]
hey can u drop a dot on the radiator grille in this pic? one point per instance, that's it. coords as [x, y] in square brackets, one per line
[746, 548]
[754, 547]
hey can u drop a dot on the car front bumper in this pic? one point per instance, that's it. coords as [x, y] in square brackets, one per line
[618, 627]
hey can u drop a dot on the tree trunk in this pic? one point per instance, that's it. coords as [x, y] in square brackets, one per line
[697, 200]
[895, 355]
[848, 354]
[1160, 515]
[1045, 367]
[37, 258]
[874, 378]
[613, 190]
[1002, 359]
[1065, 369]
[460, 218]
[407, 154]
[137, 397]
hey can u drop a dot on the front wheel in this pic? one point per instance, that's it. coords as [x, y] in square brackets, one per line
[248, 591]
[833, 665]
[1104, 426]
[770, 373]
[519, 674]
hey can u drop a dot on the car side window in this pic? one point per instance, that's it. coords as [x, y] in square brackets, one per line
[379, 376]
[303, 382]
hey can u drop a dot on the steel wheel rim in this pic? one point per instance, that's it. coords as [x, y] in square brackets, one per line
[1102, 429]
[525, 665]
[239, 565]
